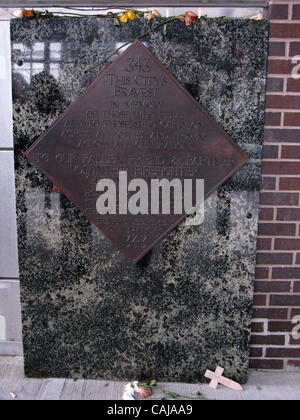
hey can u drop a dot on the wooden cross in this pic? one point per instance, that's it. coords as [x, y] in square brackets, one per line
[216, 378]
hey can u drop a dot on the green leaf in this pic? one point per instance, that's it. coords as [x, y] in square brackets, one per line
[139, 13]
[116, 22]
[165, 29]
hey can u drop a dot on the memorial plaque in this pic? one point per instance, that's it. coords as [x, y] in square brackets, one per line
[134, 119]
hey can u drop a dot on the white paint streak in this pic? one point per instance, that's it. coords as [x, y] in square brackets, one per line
[2, 68]
[2, 328]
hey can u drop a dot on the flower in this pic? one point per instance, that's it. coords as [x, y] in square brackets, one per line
[189, 18]
[129, 390]
[127, 396]
[130, 14]
[145, 391]
[153, 14]
[18, 13]
[257, 17]
[124, 18]
[28, 14]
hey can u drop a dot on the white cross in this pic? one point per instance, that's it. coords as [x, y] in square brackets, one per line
[216, 378]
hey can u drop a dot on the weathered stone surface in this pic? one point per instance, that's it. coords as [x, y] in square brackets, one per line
[186, 306]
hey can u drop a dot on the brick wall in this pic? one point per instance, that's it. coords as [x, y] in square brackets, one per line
[277, 285]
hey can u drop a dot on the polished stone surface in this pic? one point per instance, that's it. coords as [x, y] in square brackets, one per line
[8, 227]
[186, 306]
[6, 137]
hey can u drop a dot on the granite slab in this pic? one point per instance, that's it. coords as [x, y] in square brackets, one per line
[187, 305]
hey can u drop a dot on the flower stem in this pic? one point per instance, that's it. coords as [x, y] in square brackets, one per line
[87, 9]
[83, 15]
[130, 42]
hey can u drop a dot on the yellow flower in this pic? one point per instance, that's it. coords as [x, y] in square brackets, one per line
[124, 18]
[130, 14]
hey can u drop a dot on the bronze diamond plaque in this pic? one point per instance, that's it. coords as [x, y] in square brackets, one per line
[135, 118]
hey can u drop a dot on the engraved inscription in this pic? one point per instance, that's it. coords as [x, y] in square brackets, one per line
[137, 119]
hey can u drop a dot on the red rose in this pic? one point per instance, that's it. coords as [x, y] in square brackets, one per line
[190, 18]
[145, 392]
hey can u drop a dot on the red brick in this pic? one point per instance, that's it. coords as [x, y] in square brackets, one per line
[283, 101]
[297, 287]
[293, 85]
[266, 364]
[294, 342]
[294, 363]
[290, 152]
[286, 273]
[268, 183]
[272, 118]
[263, 243]
[276, 229]
[287, 244]
[278, 11]
[274, 340]
[259, 300]
[294, 48]
[292, 184]
[288, 214]
[270, 313]
[295, 11]
[272, 286]
[277, 66]
[295, 312]
[284, 30]
[280, 326]
[270, 152]
[285, 300]
[279, 199]
[274, 258]
[280, 168]
[255, 352]
[292, 119]
[275, 352]
[257, 327]
[274, 84]
[261, 272]
[280, 135]
[277, 49]
[266, 213]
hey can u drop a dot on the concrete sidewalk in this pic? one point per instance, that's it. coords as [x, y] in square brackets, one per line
[261, 386]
